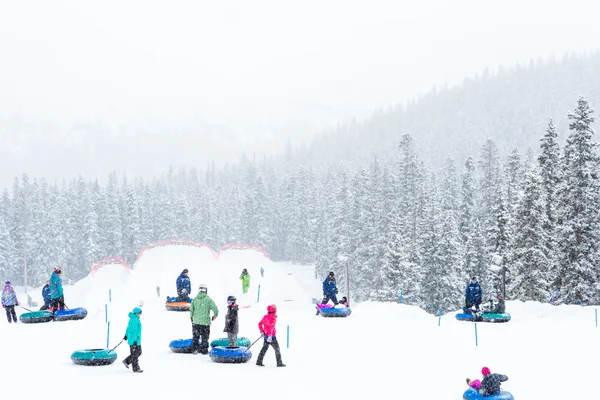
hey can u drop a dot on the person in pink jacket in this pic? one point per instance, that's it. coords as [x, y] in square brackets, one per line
[9, 301]
[266, 326]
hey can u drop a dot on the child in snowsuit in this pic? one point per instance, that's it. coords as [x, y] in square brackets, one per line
[245, 278]
[490, 383]
[266, 326]
[46, 296]
[133, 335]
[231, 321]
[9, 301]
[476, 384]
[330, 289]
[56, 291]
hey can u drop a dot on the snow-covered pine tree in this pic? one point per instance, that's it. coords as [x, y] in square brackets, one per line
[132, 243]
[362, 227]
[113, 232]
[499, 238]
[340, 244]
[7, 266]
[578, 217]
[549, 167]
[164, 216]
[477, 258]
[146, 212]
[513, 180]
[91, 233]
[528, 258]
[467, 204]
[450, 188]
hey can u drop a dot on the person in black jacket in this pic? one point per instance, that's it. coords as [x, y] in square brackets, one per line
[490, 384]
[231, 321]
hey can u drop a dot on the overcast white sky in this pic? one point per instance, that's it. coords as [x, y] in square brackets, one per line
[264, 62]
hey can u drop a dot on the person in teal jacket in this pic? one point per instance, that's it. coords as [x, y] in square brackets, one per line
[133, 335]
[56, 291]
[245, 278]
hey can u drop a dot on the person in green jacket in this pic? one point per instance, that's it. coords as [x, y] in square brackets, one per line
[245, 277]
[133, 335]
[200, 316]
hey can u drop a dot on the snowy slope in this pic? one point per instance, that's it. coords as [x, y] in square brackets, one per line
[382, 349]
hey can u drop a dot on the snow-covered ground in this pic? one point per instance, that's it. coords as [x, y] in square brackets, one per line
[382, 350]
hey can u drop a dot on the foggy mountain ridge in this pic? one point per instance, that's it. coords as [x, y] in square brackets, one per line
[510, 106]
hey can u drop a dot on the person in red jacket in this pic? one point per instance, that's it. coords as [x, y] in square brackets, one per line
[266, 326]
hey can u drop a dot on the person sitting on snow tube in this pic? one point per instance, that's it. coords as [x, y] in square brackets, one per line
[183, 297]
[490, 383]
[500, 308]
[473, 294]
[344, 301]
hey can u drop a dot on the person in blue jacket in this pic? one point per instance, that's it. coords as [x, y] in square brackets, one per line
[473, 294]
[56, 291]
[183, 282]
[46, 296]
[330, 289]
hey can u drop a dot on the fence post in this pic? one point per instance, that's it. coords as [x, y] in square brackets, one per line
[440, 316]
[107, 321]
[288, 336]
[476, 340]
[258, 297]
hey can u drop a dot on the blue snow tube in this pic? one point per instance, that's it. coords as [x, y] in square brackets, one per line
[465, 317]
[181, 346]
[231, 355]
[336, 312]
[472, 394]
[73, 314]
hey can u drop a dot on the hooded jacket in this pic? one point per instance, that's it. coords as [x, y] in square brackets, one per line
[134, 328]
[56, 289]
[267, 324]
[200, 309]
[9, 296]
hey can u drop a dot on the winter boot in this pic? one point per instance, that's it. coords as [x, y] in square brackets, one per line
[125, 364]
